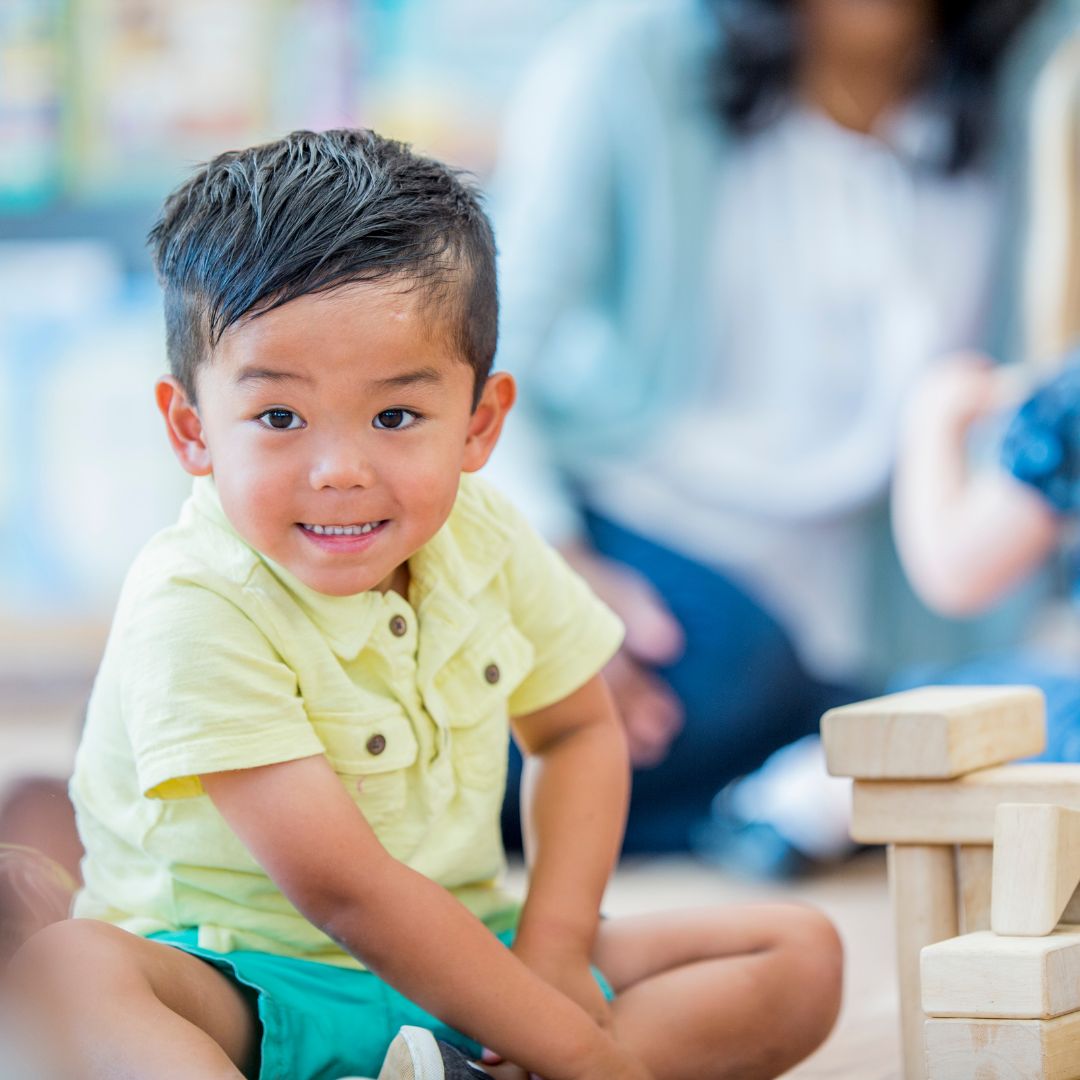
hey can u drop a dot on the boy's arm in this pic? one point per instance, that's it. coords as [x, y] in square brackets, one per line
[965, 537]
[575, 794]
[302, 827]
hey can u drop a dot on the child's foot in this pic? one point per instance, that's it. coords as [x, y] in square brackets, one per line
[415, 1054]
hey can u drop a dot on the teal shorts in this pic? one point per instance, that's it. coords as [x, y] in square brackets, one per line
[321, 1022]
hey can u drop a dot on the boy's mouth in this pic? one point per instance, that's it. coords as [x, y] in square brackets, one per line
[342, 530]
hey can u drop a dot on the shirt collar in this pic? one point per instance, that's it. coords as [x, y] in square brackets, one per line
[457, 563]
[346, 622]
[466, 553]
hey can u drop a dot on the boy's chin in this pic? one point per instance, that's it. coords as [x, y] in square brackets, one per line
[339, 585]
[342, 582]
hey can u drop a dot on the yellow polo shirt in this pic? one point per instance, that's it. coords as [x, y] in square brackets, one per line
[220, 659]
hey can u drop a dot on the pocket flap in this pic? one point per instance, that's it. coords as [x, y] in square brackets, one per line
[483, 674]
[364, 743]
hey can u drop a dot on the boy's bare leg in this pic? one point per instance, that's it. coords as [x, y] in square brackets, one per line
[104, 1003]
[732, 992]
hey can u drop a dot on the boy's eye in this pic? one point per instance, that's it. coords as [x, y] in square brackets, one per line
[280, 419]
[395, 419]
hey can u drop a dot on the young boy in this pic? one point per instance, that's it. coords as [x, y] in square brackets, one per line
[289, 783]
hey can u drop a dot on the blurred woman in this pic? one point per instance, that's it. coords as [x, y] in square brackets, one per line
[732, 234]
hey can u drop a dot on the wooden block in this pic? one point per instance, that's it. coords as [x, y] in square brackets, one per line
[974, 871]
[957, 811]
[1071, 914]
[987, 975]
[922, 881]
[1036, 866]
[934, 732]
[1004, 1049]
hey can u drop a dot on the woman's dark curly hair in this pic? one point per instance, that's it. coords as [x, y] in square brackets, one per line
[755, 65]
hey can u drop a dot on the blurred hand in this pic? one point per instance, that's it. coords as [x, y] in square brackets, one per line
[960, 390]
[651, 713]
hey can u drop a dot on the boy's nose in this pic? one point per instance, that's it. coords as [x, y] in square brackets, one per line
[342, 468]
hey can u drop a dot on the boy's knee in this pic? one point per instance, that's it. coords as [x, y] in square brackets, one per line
[814, 958]
[73, 955]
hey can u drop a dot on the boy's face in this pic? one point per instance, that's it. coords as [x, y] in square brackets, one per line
[336, 428]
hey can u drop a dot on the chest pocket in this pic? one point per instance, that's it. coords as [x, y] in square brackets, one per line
[474, 688]
[371, 754]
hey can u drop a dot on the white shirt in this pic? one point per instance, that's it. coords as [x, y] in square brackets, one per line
[842, 268]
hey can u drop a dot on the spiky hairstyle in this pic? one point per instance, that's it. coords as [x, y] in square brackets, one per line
[253, 229]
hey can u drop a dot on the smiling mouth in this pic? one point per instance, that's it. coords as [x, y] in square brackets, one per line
[342, 530]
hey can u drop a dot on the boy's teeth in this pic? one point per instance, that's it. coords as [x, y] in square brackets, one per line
[341, 530]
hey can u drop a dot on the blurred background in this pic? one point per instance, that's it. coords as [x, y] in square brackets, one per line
[105, 105]
[838, 253]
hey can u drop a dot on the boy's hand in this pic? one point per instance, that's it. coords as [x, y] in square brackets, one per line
[611, 1062]
[614, 1063]
[570, 973]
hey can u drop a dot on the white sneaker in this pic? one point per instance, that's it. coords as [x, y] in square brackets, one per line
[415, 1054]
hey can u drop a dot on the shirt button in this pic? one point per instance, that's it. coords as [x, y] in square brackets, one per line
[376, 744]
[398, 626]
[492, 674]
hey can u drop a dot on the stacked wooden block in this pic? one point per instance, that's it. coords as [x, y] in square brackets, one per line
[984, 861]
[1006, 1001]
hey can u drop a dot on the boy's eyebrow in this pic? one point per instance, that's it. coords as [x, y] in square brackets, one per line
[409, 378]
[253, 374]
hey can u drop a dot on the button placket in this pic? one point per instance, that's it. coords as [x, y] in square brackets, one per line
[400, 653]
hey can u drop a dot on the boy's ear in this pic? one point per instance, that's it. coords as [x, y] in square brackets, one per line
[496, 400]
[183, 426]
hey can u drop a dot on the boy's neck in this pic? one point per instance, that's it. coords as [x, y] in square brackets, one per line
[399, 581]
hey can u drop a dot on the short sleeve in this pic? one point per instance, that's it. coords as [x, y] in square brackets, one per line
[573, 634]
[1041, 447]
[203, 690]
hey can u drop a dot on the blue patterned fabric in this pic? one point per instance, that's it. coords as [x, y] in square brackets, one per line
[1042, 443]
[1041, 448]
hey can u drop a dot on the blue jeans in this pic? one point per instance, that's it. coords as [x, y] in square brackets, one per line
[742, 688]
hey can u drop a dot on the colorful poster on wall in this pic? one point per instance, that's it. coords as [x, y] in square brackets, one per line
[162, 86]
[31, 95]
[438, 74]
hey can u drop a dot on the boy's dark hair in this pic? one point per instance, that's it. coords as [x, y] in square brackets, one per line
[256, 228]
[755, 67]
